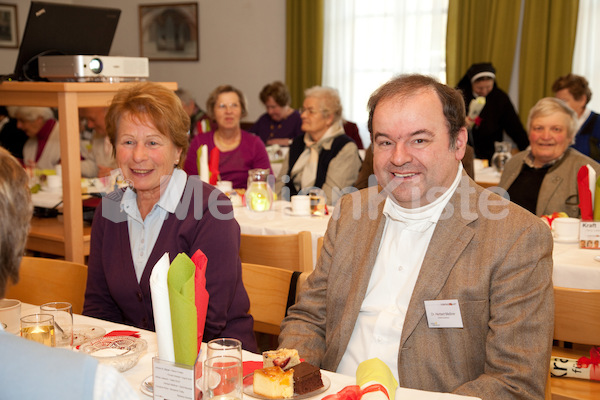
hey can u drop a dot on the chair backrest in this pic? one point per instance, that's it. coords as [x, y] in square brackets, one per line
[292, 252]
[575, 315]
[319, 247]
[42, 280]
[268, 289]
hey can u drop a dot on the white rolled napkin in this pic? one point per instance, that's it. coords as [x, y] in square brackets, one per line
[592, 181]
[162, 308]
[203, 164]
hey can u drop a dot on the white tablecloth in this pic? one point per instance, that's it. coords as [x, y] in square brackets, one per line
[136, 375]
[575, 267]
[279, 221]
[487, 176]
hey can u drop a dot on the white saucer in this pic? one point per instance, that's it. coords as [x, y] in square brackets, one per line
[288, 211]
[146, 385]
[566, 240]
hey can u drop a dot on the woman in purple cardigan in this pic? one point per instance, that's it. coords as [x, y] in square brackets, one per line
[238, 151]
[162, 211]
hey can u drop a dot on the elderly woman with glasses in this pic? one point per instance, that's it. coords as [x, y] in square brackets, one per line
[237, 151]
[324, 157]
[543, 178]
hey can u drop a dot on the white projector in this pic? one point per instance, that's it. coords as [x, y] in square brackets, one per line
[93, 68]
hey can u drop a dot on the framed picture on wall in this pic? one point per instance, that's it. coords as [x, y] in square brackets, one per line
[9, 34]
[169, 32]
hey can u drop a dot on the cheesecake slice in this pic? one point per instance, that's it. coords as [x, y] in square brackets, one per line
[274, 383]
[284, 358]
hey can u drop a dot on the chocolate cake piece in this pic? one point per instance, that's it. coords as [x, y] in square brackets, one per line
[307, 378]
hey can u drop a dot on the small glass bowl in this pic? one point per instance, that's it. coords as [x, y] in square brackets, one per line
[121, 352]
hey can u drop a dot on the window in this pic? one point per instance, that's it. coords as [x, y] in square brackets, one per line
[367, 42]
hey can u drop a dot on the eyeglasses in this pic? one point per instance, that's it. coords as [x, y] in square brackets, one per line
[233, 106]
[310, 111]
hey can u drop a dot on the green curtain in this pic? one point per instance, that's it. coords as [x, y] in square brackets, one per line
[481, 31]
[304, 47]
[549, 28]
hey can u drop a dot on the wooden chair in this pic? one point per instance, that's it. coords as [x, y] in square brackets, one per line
[269, 291]
[292, 252]
[319, 247]
[42, 280]
[576, 320]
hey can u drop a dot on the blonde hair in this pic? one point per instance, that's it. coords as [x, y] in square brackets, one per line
[214, 95]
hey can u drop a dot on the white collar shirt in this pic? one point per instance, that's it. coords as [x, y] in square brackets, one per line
[143, 233]
[403, 246]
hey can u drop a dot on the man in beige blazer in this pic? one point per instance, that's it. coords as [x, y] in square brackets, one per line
[491, 257]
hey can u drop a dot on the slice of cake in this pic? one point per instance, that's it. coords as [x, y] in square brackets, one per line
[274, 383]
[284, 358]
[307, 378]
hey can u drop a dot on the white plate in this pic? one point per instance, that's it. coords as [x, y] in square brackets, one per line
[249, 390]
[566, 240]
[85, 333]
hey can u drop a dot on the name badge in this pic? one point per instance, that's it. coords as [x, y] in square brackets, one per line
[443, 314]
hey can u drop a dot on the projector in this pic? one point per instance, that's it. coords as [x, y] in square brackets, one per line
[81, 68]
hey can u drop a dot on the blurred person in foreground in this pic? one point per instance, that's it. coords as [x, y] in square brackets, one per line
[42, 149]
[30, 370]
[238, 151]
[99, 160]
[431, 242]
[324, 157]
[281, 123]
[199, 120]
[161, 211]
[497, 116]
[543, 178]
[575, 91]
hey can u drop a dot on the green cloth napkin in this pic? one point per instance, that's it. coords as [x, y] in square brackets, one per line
[375, 370]
[180, 281]
[597, 201]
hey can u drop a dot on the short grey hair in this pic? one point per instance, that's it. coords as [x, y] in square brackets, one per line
[329, 99]
[15, 214]
[31, 113]
[552, 105]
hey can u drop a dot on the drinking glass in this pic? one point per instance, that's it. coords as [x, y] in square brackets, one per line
[222, 378]
[63, 322]
[224, 347]
[317, 202]
[39, 328]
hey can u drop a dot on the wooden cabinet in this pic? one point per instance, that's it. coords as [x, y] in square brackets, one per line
[67, 97]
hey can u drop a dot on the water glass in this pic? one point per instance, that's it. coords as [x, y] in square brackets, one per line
[224, 347]
[222, 378]
[39, 328]
[63, 322]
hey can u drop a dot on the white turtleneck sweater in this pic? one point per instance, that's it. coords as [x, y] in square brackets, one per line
[403, 246]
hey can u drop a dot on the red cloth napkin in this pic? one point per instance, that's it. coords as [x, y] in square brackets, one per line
[201, 294]
[123, 333]
[585, 195]
[213, 166]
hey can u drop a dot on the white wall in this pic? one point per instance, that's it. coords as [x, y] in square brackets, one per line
[242, 42]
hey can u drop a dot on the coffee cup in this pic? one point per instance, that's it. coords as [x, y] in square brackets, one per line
[566, 228]
[10, 315]
[54, 181]
[300, 205]
[225, 186]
